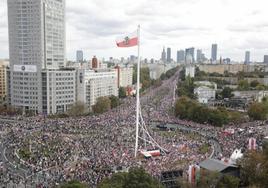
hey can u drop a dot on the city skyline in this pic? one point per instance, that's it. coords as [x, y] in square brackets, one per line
[93, 30]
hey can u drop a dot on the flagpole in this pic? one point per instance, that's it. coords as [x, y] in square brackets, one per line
[138, 95]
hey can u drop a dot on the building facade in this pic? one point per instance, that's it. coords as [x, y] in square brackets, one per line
[204, 94]
[180, 56]
[214, 51]
[124, 76]
[79, 56]
[265, 59]
[3, 79]
[247, 57]
[37, 57]
[168, 55]
[59, 90]
[164, 55]
[92, 84]
[189, 53]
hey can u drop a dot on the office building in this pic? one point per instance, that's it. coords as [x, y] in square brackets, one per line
[79, 56]
[92, 84]
[180, 56]
[124, 76]
[59, 88]
[199, 56]
[189, 54]
[94, 63]
[247, 57]
[37, 57]
[214, 50]
[265, 59]
[163, 55]
[3, 79]
[168, 55]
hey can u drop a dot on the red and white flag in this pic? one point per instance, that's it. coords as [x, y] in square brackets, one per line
[127, 40]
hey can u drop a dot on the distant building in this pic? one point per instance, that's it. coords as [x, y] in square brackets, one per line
[265, 59]
[180, 56]
[204, 94]
[189, 52]
[92, 84]
[199, 56]
[247, 57]
[124, 76]
[94, 63]
[79, 56]
[214, 50]
[163, 55]
[168, 55]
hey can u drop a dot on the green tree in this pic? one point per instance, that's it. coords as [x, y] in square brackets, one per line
[135, 178]
[243, 85]
[226, 93]
[114, 101]
[227, 181]
[254, 169]
[257, 111]
[102, 105]
[78, 109]
[122, 92]
[254, 83]
[73, 184]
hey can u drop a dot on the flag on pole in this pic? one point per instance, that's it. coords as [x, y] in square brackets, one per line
[127, 40]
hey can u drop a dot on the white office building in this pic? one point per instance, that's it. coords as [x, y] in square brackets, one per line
[92, 84]
[36, 45]
[59, 88]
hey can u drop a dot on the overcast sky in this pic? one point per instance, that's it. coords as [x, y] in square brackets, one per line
[93, 25]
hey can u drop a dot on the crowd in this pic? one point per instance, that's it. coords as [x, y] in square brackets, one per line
[52, 151]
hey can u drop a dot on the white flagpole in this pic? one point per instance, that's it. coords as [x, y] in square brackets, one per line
[138, 95]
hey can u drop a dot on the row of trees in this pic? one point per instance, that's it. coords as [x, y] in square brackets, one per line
[169, 73]
[186, 108]
[258, 111]
[104, 104]
[186, 88]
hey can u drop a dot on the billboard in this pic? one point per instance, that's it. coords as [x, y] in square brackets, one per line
[25, 68]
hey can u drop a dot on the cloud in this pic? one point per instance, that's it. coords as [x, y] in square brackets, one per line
[93, 26]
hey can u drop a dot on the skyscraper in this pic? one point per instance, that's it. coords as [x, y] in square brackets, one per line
[199, 56]
[265, 59]
[180, 56]
[214, 49]
[168, 55]
[189, 53]
[163, 55]
[36, 43]
[79, 56]
[247, 57]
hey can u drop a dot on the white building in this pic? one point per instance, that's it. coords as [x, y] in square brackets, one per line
[36, 43]
[124, 76]
[92, 84]
[190, 71]
[204, 94]
[59, 90]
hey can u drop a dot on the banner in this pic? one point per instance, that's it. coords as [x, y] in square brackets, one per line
[25, 68]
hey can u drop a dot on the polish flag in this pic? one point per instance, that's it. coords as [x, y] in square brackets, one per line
[127, 40]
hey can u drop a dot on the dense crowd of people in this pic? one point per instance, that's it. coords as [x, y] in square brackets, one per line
[51, 151]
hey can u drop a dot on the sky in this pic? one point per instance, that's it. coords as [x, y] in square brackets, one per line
[93, 26]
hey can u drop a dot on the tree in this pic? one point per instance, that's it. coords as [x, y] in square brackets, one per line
[122, 92]
[73, 184]
[228, 181]
[254, 83]
[226, 93]
[78, 109]
[114, 101]
[257, 111]
[102, 105]
[135, 178]
[254, 169]
[243, 85]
